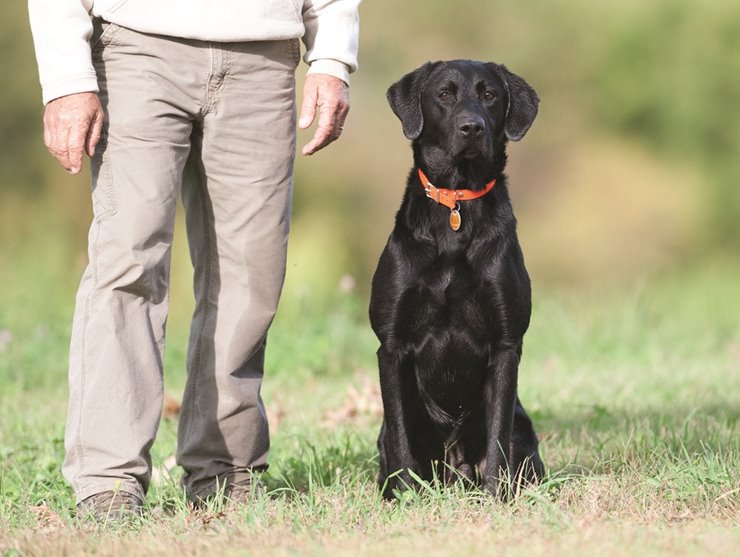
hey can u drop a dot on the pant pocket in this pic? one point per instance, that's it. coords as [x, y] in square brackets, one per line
[103, 193]
[104, 33]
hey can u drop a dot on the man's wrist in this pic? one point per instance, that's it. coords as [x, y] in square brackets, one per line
[330, 67]
[80, 84]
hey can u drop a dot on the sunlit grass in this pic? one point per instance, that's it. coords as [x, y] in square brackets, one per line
[634, 390]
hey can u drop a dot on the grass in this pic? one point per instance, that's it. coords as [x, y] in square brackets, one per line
[634, 389]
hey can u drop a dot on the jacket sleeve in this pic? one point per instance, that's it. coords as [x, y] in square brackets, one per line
[332, 36]
[61, 34]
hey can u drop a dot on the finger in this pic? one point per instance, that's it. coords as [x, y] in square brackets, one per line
[93, 134]
[76, 146]
[47, 134]
[56, 136]
[321, 138]
[331, 122]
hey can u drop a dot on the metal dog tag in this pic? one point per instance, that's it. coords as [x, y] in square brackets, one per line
[455, 219]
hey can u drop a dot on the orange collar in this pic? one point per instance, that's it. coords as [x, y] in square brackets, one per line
[450, 198]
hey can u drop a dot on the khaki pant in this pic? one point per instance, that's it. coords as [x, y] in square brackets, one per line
[215, 123]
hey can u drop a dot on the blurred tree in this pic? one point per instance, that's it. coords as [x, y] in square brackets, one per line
[670, 75]
[666, 73]
[22, 158]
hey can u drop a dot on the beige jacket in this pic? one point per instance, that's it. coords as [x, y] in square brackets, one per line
[62, 30]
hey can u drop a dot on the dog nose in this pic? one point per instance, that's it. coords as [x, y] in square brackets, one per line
[472, 126]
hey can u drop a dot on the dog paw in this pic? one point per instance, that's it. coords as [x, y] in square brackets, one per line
[394, 485]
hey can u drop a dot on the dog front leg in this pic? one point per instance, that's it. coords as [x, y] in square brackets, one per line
[500, 401]
[394, 445]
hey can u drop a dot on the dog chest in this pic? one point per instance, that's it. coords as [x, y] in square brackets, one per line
[450, 372]
[448, 299]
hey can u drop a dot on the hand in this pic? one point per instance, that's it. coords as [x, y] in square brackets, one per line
[73, 124]
[331, 96]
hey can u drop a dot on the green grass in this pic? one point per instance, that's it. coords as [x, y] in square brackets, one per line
[634, 389]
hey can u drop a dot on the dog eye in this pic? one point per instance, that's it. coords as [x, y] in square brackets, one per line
[489, 96]
[444, 95]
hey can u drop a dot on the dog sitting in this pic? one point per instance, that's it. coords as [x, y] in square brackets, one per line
[451, 297]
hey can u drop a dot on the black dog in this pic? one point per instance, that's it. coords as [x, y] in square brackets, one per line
[451, 297]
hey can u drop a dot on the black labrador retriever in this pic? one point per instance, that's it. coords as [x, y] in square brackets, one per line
[451, 297]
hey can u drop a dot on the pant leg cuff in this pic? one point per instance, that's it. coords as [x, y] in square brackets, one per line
[132, 488]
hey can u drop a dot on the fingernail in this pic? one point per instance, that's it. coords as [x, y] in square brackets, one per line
[74, 170]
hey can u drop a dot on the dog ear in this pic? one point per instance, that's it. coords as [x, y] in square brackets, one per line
[523, 103]
[404, 96]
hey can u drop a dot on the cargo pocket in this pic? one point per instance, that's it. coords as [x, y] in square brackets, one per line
[103, 193]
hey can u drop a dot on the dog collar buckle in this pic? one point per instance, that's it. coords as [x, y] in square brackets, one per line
[432, 192]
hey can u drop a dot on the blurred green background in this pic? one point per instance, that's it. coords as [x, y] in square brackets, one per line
[630, 169]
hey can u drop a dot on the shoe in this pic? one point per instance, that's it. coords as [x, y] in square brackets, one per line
[110, 506]
[232, 495]
[245, 491]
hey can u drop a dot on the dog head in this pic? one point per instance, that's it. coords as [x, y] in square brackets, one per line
[462, 109]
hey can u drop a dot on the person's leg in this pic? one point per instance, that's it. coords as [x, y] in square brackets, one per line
[237, 198]
[119, 325]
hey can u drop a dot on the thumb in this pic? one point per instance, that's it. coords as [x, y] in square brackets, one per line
[308, 109]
